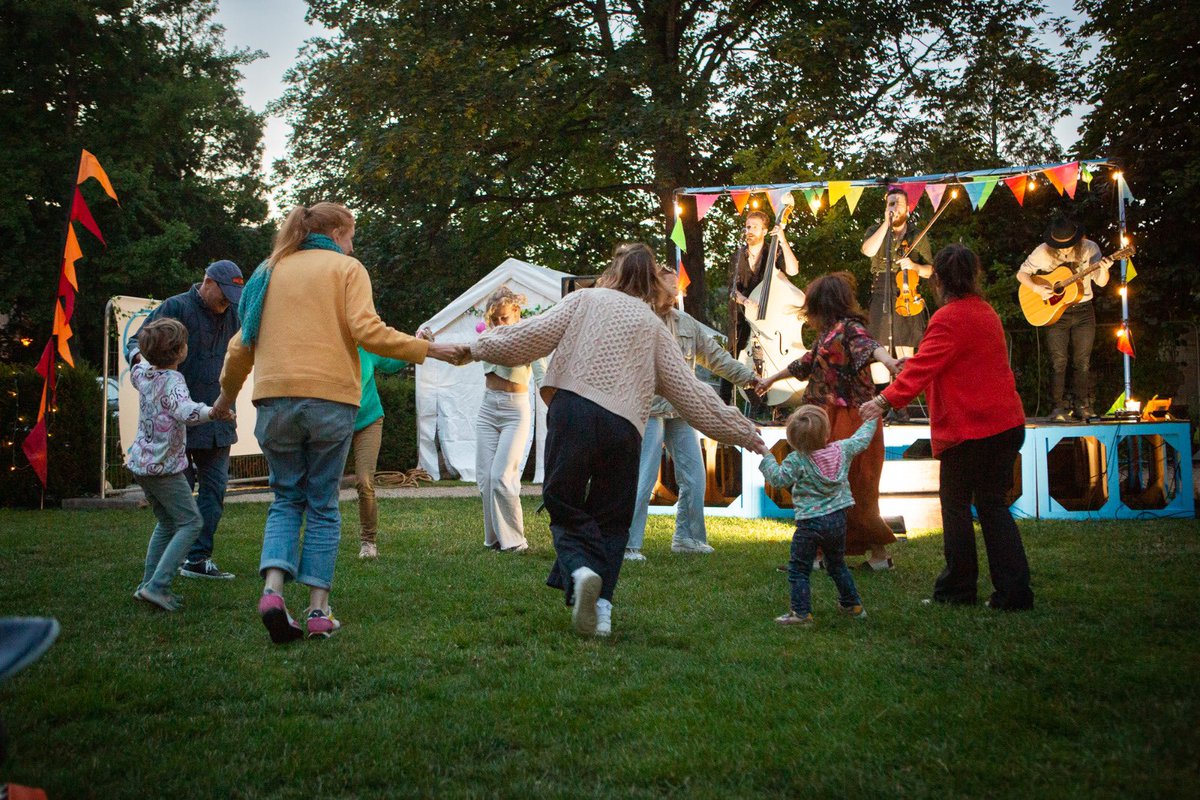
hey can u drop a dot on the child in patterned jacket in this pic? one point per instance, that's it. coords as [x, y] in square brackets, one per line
[157, 458]
[815, 473]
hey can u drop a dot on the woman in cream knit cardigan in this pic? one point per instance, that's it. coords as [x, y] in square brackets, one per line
[612, 354]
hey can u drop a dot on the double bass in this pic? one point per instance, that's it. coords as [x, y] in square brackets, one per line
[775, 330]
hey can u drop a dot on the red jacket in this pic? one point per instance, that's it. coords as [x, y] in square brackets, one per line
[962, 366]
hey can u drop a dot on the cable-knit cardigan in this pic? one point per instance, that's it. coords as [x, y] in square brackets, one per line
[610, 348]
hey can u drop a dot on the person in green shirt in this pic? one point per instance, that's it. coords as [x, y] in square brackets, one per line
[368, 435]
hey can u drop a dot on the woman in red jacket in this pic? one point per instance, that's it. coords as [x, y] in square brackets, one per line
[978, 427]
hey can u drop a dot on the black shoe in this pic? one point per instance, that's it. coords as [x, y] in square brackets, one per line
[1084, 413]
[204, 569]
[1059, 414]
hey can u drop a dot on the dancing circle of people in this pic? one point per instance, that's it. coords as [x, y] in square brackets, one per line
[615, 364]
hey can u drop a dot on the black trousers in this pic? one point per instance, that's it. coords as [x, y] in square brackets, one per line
[1073, 334]
[590, 489]
[981, 471]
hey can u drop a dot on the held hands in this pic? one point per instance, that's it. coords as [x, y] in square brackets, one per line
[223, 409]
[870, 410]
[456, 354]
[425, 333]
[762, 385]
[757, 445]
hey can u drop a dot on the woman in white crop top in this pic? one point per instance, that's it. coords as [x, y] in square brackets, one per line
[502, 433]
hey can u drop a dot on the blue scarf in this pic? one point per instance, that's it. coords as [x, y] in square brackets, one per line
[254, 293]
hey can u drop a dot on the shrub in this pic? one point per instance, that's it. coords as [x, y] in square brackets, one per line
[74, 434]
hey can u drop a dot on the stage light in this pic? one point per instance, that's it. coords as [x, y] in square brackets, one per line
[1123, 291]
[1133, 405]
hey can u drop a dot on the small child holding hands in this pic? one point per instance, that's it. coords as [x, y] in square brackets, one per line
[157, 458]
[815, 473]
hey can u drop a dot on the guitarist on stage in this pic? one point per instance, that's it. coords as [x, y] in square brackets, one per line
[746, 270]
[1075, 331]
[882, 319]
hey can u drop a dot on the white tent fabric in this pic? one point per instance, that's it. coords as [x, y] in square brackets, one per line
[448, 398]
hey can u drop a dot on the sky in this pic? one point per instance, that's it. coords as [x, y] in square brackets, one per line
[278, 28]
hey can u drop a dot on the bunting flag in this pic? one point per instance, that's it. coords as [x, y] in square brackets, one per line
[1125, 341]
[935, 192]
[35, 444]
[1130, 272]
[1017, 185]
[980, 191]
[1086, 175]
[71, 254]
[703, 203]
[34, 447]
[852, 195]
[685, 280]
[89, 167]
[812, 199]
[775, 197]
[80, 211]
[1065, 178]
[837, 190]
[677, 235]
[739, 200]
[1052, 176]
[1118, 405]
[913, 191]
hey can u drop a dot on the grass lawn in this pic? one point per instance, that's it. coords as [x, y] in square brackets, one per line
[456, 674]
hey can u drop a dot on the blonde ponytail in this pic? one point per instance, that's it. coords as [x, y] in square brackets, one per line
[323, 218]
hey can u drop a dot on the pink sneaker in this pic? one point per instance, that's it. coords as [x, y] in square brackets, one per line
[278, 621]
[321, 625]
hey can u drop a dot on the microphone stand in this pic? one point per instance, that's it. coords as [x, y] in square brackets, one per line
[889, 300]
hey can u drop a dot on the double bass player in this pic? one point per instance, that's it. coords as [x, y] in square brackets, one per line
[747, 269]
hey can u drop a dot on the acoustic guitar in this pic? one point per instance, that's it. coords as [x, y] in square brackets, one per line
[1064, 281]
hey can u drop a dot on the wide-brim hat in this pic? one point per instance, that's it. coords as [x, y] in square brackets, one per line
[228, 276]
[1063, 234]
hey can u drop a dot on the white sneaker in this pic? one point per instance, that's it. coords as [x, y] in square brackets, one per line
[368, 550]
[603, 617]
[689, 546]
[634, 554]
[587, 592]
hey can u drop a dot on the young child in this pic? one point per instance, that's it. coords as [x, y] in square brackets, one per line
[157, 458]
[815, 473]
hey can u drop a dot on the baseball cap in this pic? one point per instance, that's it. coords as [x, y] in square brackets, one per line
[227, 275]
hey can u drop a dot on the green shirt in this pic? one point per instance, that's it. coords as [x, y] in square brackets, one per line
[369, 407]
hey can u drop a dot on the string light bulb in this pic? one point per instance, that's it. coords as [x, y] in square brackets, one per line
[1031, 184]
[954, 193]
[1117, 175]
[1123, 291]
[815, 204]
[754, 203]
[678, 209]
[1124, 240]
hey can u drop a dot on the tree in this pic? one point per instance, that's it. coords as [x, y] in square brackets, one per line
[466, 132]
[148, 86]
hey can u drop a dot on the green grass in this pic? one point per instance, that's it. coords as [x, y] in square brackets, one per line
[456, 674]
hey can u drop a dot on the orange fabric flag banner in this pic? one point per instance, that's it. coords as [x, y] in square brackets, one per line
[89, 167]
[739, 200]
[1065, 178]
[62, 329]
[684, 279]
[1017, 186]
[71, 253]
[1052, 176]
[34, 445]
[1125, 341]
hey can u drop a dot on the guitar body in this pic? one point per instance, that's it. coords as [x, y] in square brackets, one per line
[909, 302]
[1041, 312]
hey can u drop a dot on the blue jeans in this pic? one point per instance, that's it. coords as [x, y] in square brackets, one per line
[305, 441]
[828, 533]
[208, 467]
[178, 526]
[683, 443]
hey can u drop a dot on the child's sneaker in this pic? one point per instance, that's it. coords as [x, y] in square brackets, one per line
[587, 592]
[278, 621]
[856, 611]
[321, 625]
[792, 618]
[603, 617]
[368, 551]
[164, 600]
[634, 554]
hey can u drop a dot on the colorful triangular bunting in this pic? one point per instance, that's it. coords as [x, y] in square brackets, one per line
[677, 235]
[837, 190]
[89, 167]
[739, 200]
[1017, 185]
[852, 195]
[935, 192]
[80, 211]
[913, 191]
[1130, 272]
[1066, 177]
[704, 203]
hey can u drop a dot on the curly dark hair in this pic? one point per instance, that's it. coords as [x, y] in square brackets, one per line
[831, 298]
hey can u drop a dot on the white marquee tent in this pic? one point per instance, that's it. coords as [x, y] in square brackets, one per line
[448, 398]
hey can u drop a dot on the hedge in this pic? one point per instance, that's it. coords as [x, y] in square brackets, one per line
[74, 431]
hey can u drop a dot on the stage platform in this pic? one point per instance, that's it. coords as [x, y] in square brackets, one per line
[1073, 471]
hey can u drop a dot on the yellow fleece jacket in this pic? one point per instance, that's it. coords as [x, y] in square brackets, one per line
[317, 310]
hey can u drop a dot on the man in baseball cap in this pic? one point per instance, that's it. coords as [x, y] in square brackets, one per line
[209, 312]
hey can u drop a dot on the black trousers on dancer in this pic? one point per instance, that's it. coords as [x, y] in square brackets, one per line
[590, 489]
[981, 471]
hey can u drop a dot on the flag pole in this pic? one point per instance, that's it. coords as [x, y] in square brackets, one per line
[1124, 278]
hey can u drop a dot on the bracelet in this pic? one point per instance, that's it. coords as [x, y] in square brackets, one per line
[882, 402]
